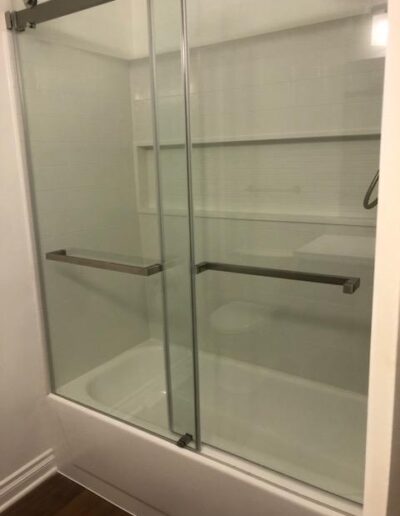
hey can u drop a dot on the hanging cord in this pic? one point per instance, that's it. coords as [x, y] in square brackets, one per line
[367, 203]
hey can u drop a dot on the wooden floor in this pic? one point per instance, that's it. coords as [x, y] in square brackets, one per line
[59, 496]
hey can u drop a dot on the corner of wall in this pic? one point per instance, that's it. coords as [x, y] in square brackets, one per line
[25, 440]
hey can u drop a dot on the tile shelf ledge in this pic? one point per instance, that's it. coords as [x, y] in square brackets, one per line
[272, 217]
[299, 137]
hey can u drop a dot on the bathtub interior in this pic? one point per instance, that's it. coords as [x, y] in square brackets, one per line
[301, 428]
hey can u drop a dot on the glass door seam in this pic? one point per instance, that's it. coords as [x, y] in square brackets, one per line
[186, 86]
[153, 82]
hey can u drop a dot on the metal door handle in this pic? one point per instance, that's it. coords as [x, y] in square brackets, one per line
[349, 284]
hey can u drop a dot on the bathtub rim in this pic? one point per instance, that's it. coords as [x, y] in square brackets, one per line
[213, 452]
[270, 481]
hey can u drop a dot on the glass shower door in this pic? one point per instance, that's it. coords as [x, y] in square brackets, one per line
[86, 81]
[285, 109]
[172, 141]
[202, 224]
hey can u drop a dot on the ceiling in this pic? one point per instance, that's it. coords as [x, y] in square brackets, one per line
[119, 28]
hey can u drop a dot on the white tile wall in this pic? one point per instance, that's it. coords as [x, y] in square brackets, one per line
[329, 81]
[80, 132]
[320, 79]
[324, 179]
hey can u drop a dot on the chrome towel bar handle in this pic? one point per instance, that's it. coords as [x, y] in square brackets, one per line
[61, 255]
[349, 284]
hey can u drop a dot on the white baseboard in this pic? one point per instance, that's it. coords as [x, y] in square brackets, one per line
[19, 483]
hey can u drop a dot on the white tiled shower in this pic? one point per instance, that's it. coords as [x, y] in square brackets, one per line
[268, 203]
[84, 144]
[81, 148]
[286, 137]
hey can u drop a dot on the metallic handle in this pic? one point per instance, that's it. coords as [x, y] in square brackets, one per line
[349, 284]
[62, 256]
[367, 203]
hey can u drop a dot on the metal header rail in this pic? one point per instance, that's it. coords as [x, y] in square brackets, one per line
[50, 10]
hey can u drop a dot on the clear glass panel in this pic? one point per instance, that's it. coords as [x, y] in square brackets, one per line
[173, 177]
[286, 107]
[86, 83]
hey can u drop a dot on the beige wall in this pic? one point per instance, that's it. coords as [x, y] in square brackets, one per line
[22, 368]
[383, 439]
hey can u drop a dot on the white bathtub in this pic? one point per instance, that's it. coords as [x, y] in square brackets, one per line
[301, 428]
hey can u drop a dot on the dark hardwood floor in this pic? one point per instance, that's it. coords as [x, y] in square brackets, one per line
[59, 496]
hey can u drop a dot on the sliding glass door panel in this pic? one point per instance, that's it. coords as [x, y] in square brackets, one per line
[86, 81]
[286, 105]
[172, 170]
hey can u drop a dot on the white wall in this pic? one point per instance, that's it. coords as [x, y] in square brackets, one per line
[383, 457]
[23, 385]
